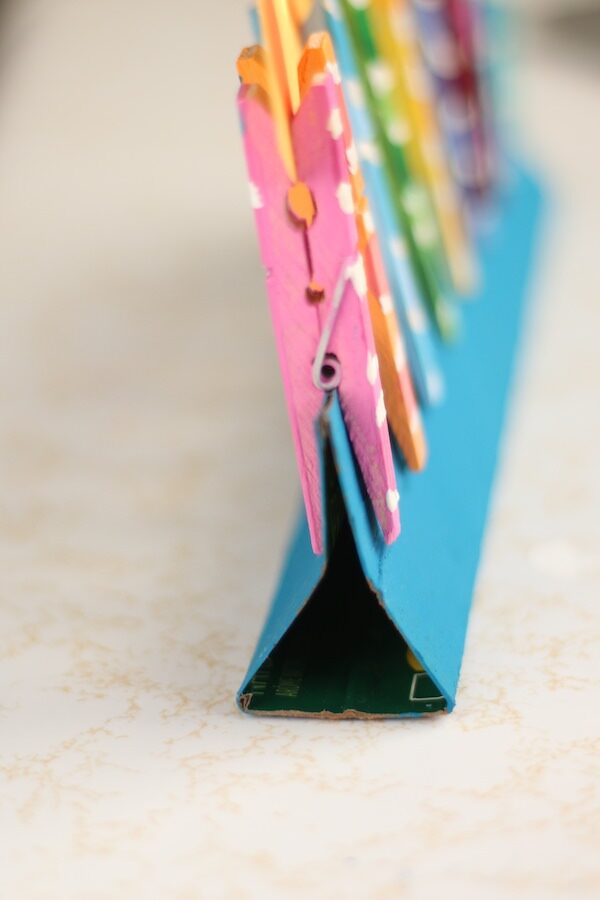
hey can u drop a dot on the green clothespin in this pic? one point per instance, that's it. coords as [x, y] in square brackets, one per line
[411, 200]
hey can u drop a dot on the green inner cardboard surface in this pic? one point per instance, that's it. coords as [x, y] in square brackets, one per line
[342, 654]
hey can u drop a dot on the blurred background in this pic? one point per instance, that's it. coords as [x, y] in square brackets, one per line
[148, 483]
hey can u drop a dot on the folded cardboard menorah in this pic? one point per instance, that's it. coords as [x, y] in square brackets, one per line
[366, 245]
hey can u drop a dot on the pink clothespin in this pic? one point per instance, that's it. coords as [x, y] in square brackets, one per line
[317, 286]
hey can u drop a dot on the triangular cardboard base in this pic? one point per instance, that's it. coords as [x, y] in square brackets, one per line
[342, 656]
[335, 640]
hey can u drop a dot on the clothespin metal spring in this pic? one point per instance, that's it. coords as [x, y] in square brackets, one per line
[326, 370]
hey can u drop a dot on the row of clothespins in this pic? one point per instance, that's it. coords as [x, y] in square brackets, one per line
[369, 141]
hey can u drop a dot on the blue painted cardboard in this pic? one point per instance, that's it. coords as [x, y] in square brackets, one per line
[425, 580]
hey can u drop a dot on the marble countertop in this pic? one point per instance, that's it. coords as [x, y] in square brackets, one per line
[147, 488]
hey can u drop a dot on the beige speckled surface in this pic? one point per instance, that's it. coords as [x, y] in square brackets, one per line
[142, 428]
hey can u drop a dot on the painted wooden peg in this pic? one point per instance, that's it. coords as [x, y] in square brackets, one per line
[318, 291]
[404, 287]
[394, 28]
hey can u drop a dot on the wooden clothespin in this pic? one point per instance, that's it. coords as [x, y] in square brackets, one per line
[324, 274]
[394, 29]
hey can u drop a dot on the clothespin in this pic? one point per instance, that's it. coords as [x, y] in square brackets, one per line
[276, 20]
[448, 35]
[401, 403]
[324, 275]
[404, 288]
[395, 35]
[410, 197]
